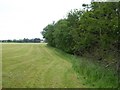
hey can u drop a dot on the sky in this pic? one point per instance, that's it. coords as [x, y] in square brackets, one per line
[26, 18]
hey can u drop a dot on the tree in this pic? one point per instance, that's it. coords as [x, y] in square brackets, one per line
[48, 34]
[93, 29]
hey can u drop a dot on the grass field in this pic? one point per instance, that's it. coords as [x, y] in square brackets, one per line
[36, 66]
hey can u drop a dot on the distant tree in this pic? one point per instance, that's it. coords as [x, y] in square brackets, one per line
[37, 40]
[9, 40]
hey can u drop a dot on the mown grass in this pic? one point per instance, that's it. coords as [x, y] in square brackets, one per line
[36, 66]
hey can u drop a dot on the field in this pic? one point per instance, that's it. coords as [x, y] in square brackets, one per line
[30, 65]
[36, 66]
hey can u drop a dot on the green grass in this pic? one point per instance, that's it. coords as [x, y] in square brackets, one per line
[42, 66]
[94, 74]
[36, 66]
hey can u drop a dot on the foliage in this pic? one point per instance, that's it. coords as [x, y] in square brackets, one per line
[93, 30]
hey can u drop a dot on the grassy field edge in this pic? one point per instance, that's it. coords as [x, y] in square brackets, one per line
[92, 74]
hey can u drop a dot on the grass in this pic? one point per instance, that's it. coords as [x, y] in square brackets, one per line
[41, 66]
[95, 75]
[36, 66]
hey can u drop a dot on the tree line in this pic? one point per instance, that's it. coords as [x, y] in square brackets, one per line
[25, 40]
[92, 31]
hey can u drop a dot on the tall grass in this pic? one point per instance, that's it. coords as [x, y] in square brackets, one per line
[94, 74]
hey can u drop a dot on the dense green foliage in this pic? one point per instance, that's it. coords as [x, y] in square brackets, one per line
[92, 31]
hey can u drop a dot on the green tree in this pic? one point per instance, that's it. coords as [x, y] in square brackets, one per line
[48, 34]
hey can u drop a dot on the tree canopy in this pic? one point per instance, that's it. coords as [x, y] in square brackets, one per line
[92, 30]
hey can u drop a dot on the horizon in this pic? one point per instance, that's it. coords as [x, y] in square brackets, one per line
[23, 39]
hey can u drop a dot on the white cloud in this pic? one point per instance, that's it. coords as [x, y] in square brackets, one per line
[27, 18]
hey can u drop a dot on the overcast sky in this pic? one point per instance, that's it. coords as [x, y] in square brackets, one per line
[26, 18]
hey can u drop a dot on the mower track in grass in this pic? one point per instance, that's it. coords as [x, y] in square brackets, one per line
[36, 66]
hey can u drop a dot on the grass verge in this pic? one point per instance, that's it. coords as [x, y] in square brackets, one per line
[92, 73]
